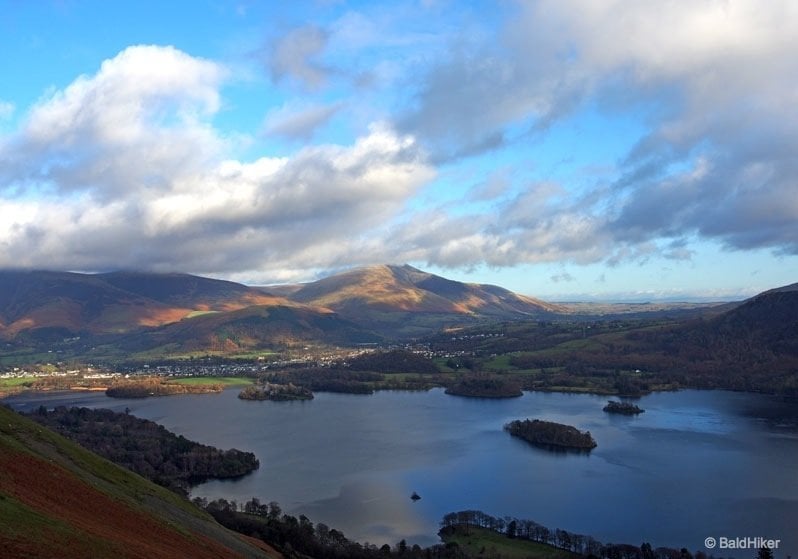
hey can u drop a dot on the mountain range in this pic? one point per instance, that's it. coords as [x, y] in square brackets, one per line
[178, 314]
[190, 312]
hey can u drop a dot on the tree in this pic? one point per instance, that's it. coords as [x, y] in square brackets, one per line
[764, 553]
[512, 529]
[274, 511]
[252, 506]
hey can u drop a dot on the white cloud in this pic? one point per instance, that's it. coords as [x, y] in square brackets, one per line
[136, 125]
[123, 170]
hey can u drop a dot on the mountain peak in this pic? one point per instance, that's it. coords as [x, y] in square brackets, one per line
[404, 288]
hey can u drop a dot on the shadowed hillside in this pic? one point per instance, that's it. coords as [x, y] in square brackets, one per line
[250, 328]
[194, 292]
[61, 304]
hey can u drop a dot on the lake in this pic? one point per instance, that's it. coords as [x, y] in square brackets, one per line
[696, 464]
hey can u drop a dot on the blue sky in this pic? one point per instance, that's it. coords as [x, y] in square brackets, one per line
[619, 150]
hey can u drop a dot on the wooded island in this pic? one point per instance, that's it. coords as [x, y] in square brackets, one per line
[551, 435]
[624, 408]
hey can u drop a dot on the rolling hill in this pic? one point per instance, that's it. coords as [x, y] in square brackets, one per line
[59, 500]
[140, 311]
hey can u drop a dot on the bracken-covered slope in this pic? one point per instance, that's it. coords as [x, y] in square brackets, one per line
[60, 500]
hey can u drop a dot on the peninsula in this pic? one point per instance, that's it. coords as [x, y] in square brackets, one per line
[153, 386]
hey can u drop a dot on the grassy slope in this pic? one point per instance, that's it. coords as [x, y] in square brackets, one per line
[60, 500]
[498, 545]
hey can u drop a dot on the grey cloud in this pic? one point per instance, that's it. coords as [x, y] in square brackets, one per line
[463, 104]
[300, 124]
[496, 185]
[295, 55]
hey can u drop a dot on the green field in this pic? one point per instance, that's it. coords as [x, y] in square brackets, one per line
[12, 382]
[481, 542]
[226, 381]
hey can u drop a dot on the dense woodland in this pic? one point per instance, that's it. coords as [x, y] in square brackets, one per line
[394, 361]
[154, 386]
[485, 386]
[145, 447]
[333, 379]
[275, 392]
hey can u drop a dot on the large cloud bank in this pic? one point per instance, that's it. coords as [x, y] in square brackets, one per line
[125, 168]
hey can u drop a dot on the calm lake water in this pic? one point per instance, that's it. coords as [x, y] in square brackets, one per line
[696, 464]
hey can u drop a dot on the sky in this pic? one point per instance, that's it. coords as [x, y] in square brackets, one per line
[565, 149]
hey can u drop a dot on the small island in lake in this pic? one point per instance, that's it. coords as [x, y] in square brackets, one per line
[485, 387]
[625, 408]
[551, 435]
[276, 392]
[142, 388]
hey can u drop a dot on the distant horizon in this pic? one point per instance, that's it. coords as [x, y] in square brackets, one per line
[561, 149]
[640, 297]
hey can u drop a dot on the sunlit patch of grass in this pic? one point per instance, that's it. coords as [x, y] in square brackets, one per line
[481, 542]
[226, 381]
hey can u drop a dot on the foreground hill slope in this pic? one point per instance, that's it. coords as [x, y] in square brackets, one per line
[60, 500]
